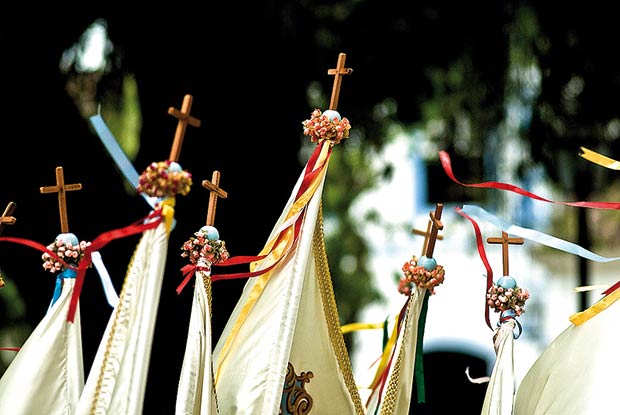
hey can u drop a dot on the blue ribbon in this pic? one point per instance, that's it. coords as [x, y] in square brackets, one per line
[535, 236]
[67, 273]
[118, 155]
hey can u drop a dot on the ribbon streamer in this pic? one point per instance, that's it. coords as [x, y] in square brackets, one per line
[535, 236]
[447, 166]
[118, 155]
[599, 159]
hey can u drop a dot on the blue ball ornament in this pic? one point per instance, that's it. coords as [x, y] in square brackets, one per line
[211, 232]
[68, 238]
[506, 282]
[429, 264]
[332, 115]
[175, 167]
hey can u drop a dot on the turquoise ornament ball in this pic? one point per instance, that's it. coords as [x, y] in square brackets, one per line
[332, 115]
[429, 264]
[175, 167]
[507, 282]
[68, 238]
[211, 232]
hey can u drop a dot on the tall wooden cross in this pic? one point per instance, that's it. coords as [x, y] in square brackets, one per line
[338, 73]
[436, 226]
[61, 188]
[7, 218]
[215, 192]
[505, 241]
[425, 235]
[184, 119]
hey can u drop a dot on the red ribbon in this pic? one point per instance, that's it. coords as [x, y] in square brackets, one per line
[311, 172]
[149, 222]
[445, 162]
[485, 261]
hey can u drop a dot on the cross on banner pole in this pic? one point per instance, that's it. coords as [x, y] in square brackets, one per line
[338, 73]
[7, 218]
[214, 191]
[425, 235]
[505, 241]
[184, 119]
[61, 188]
[436, 226]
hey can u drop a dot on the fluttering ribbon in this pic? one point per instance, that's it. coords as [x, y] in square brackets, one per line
[485, 261]
[599, 159]
[535, 236]
[447, 166]
[278, 247]
[389, 350]
[119, 157]
[106, 281]
[151, 221]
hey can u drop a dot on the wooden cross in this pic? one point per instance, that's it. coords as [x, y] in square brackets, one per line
[425, 235]
[338, 72]
[61, 188]
[505, 241]
[6, 217]
[184, 119]
[215, 191]
[436, 226]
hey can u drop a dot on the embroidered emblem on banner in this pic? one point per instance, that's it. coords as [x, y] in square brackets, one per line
[295, 398]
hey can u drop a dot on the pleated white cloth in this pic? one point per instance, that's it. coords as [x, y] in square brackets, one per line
[282, 346]
[577, 374]
[47, 374]
[395, 397]
[499, 397]
[196, 391]
[116, 382]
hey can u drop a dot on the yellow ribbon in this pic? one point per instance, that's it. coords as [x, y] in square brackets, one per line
[348, 328]
[599, 159]
[275, 254]
[168, 212]
[385, 356]
[583, 316]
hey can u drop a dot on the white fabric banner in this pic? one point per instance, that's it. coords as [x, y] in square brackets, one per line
[577, 373]
[116, 382]
[286, 338]
[395, 397]
[47, 374]
[499, 397]
[196, 391]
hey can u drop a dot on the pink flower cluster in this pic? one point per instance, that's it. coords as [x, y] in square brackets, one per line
[502, 299]
[419, 276]
[319, 127]
[199, 247]
[159, 180]
[65, 251]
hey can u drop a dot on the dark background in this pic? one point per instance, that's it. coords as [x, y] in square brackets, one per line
[247, 67]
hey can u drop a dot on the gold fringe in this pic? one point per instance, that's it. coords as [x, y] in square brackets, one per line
[331, 312]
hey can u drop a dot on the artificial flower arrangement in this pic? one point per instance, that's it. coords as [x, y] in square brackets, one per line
[203, 246]
[326, 126]
[421, 276]
[67, 248]
[164, 179]
[507, 295]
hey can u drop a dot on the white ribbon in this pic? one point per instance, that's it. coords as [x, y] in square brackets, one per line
[535, 236]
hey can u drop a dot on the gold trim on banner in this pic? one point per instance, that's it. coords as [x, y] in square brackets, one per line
[330, 310]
